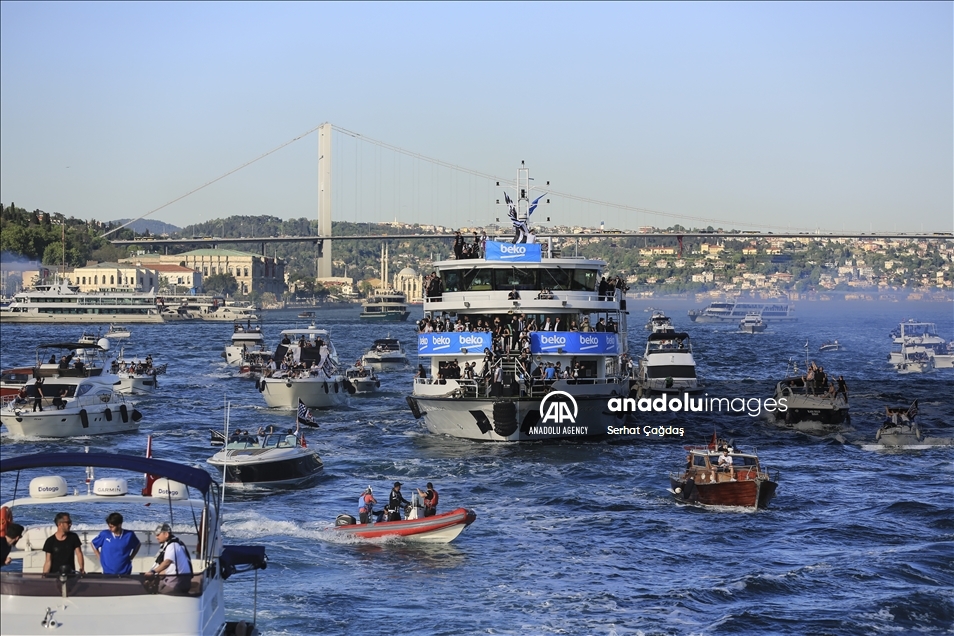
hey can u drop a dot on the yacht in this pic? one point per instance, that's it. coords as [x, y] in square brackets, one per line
[137, 376]
[305, 368]
[274, 459]
[61, 303]
[231, 313]
[385, 304]
[74, 397]
[90, 486]
[506, 388]
[245, 340]
[752, 323]
[912, 338]
[667, 365]
[659, 321]
[733, 311]
[363, 379]
[385, 354]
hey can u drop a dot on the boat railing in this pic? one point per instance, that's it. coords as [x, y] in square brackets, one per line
[96, 584]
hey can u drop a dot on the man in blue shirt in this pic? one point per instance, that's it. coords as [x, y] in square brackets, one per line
[116, 547]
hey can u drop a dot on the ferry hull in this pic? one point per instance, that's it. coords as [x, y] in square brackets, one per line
[313, 392]
[26, 317]
[68, 422]
[734, 320]
[387, 317]
[516, 419]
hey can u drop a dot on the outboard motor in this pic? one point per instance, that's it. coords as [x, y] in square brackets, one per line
[344, 520]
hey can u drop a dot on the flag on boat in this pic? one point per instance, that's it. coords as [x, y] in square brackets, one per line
[913, 410]
[533, 206]
[304, 415]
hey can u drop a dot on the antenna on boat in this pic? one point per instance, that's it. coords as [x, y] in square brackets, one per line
[225, 448]
[90, 475]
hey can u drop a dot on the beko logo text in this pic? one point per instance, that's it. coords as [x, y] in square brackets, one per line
[553, 340]
[513, 249]
[470, 340]
[441, 340]
[589, 340]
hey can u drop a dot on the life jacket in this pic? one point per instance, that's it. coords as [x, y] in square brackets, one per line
[162, 554]
[364, 504]
[6, 516]
[429, 503]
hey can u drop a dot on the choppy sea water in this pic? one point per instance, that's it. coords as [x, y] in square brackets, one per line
[581, 538]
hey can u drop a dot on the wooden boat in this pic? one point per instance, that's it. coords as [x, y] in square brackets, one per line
[704, 482]
[442, 528]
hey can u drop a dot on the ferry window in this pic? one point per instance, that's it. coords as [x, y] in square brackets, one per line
[112, 280]
[699, 460]
[506, 279]
[554, 279]
[584, 279]
[476, 280]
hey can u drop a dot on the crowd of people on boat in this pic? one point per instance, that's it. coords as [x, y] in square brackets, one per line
[396, 504]
[817, 382]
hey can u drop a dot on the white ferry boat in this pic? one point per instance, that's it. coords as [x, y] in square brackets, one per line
[305, 369]
[388, 306]
[538, 353]
[667, 365]
[61, 303]
[735, 311]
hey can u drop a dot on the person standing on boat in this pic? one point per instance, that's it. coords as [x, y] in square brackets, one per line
[430, 500]
[173, 563]
[38, 399]
[63, 548]
[395, 501]
[115, 547]
[366, 505]
[843, 386]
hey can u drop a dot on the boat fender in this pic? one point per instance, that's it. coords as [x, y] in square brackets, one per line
[108, 414]
[688, 489]
[505, 418]
[260, 385]
[84, 418]
[336, 386]
[123, 413]
[326, 386]
[136, 415]
[288, 384]
[377, 384]
[350, 387]
[415, 407]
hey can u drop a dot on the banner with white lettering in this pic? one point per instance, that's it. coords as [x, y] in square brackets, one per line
[594, 343]
[516, 252]
[452, 343]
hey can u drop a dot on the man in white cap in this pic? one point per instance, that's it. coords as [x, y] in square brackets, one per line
[173, 563]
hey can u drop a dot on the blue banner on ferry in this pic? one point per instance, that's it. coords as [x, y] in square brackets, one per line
[516, 252]
[452, 343]
[574, 342]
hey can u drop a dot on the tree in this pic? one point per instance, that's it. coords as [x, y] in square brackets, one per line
[221, 283]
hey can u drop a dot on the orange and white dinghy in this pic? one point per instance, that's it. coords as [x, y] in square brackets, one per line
[442, 528]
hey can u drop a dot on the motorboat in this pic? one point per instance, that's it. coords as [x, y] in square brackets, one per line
[305, 368]
[810, 405]
[415, 527]
[914, 361]
[549, 311]
[752, 323]
[363, 379]
[268, 459]
[385, 354]
[832, 345]
[245, 339]
[254, 364]
[231, 313]
[137, 376]
[667, 365]
[62, 303]
[901, 430]
[912, 338]
[703, 481]
[117, 333]
[88, 485]
[12, 380]
[659, 321]
[734, 310]
[68, 400]
[306, 314]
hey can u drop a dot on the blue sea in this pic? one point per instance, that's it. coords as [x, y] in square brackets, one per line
[580, 538]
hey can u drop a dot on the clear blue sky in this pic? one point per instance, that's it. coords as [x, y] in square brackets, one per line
[828, 115]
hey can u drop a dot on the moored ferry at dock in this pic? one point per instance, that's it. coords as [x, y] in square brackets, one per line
[733, 311]
[61, 303]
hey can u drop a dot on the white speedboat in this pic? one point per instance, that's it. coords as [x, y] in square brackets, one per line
[667, 365]
[246, 339]
[231, 313]
[659, 321]
[117, 333]
[900, 430]
[305, 368]
[74, 603]
[515, 394]
[752, 323]
[832, 345]
[914, 362]
[137, 376]
[67, 400]
[912, 338]
[272, 459]
[386, 354]
[363, 379]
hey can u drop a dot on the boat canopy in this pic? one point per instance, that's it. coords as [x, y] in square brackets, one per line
[235, 556]
[194, 477]
[71, 345]
[668, 335]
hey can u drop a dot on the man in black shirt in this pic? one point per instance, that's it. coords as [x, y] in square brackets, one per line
[63, 548]
[14, 532]
[395, 501]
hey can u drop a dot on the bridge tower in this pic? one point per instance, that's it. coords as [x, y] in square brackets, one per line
[324, 198]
